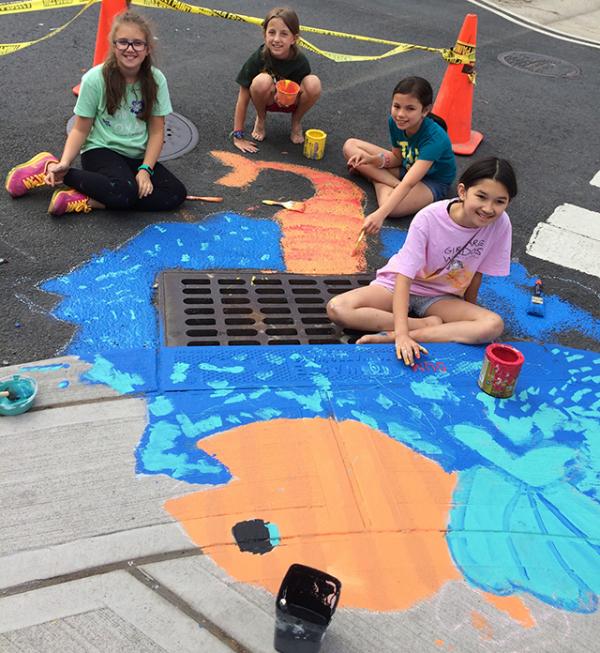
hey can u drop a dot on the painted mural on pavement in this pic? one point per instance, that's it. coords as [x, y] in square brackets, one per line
[507, 490]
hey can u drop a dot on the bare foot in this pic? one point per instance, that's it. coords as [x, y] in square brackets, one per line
[374, 338]
[390, 336]
[296, 135]
[259, 132]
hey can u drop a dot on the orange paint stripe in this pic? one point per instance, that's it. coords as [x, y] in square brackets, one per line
[513, 606]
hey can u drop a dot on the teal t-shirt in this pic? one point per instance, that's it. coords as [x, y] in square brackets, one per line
[430, 143]
[122, 132]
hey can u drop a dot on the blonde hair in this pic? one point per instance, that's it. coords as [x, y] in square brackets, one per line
[114, 81]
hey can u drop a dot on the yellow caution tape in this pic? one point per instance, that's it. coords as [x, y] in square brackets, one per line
[9, 48]
[39, 5]
[462, 53]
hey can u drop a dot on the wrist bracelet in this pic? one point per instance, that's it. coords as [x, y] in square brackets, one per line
[237, 133]
[385, 160]
[147, 168]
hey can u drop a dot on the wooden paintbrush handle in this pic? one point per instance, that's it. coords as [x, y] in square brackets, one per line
[202, 198]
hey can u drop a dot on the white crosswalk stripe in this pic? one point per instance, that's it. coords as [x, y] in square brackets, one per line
[570, 237]
[595, 181]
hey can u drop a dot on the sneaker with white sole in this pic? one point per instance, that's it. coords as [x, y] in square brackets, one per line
[69, 201]
[28, 175]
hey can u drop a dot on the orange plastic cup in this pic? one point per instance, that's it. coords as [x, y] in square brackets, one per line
[286, 92]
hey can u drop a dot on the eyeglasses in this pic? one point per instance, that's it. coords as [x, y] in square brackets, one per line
[137, 45]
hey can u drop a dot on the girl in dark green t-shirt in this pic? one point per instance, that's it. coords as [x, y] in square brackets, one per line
[277, 59]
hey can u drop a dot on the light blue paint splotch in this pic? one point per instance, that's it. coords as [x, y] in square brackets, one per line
[236, 369]
[104, 371]
[160, 406]
[179, 373]
[63, 384]
[274, 534]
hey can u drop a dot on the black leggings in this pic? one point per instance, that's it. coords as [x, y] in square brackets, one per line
[109, 178]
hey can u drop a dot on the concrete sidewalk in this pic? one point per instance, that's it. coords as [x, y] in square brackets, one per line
[578, 19]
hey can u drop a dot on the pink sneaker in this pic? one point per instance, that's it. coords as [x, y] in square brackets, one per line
[69, 201]
[26, 176]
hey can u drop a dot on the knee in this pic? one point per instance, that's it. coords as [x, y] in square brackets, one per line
[336, 310]
[492, 328]
[124, 195]
[262, 84]
[311, 85]
[349, 148]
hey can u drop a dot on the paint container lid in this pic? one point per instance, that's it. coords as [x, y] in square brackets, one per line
[24, 388]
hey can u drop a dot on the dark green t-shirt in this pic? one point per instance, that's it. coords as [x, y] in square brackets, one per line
[295, 69]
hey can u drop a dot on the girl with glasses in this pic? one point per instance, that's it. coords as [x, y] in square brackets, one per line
[119, 130]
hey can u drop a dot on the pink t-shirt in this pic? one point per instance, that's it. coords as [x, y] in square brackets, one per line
[433, 239]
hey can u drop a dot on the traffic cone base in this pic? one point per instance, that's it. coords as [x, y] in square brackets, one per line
[468, 147]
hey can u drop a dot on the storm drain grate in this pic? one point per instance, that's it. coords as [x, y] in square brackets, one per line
[538, 64]
[244, 308]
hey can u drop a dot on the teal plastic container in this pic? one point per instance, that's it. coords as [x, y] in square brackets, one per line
[24, 388]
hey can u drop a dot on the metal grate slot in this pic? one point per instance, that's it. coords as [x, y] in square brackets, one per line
[244, 308]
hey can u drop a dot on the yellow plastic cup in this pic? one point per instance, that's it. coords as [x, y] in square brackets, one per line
[314, 143]
[286, 92]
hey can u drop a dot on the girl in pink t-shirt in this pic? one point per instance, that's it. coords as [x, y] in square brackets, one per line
[437, 273]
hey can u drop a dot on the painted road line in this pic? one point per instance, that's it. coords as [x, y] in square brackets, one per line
[570, 237]
[595, 181]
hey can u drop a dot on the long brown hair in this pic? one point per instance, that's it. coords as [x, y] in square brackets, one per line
[114, 81]
[292, 22]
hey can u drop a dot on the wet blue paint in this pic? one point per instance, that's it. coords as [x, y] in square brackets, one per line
[52, 367]
[110, 297]
[536, 456]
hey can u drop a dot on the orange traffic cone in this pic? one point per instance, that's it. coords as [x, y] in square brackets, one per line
[454, 102]
[108, 10]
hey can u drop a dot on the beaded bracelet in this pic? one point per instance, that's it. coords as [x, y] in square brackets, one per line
[237, 133]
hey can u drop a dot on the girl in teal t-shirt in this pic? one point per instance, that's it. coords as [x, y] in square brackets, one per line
[421, 165]
[119, 130]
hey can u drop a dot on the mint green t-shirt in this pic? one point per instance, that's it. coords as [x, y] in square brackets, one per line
[123, 132]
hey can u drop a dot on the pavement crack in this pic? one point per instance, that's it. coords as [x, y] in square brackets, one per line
[183, 606]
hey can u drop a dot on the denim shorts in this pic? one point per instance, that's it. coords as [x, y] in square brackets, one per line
[439, 190]
[418, 304]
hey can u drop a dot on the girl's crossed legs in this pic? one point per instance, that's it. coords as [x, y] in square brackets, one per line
[109, 179]
[455, 320]
[370, 309]
[386, 179]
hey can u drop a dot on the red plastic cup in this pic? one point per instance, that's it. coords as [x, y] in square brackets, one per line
[286, 92]
[501, 367]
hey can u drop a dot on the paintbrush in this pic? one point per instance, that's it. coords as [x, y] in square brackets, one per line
[361, 235]
[291, 205]
[536, 305]
[12, 396]
[204, 199]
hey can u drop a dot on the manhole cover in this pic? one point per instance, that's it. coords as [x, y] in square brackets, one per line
[245, 308]
[181, 136]
[539, 64]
